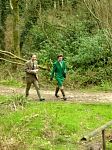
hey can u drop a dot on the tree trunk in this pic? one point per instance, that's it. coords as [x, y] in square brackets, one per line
[62, 3]
[30, 20]
[40, 8]
[66, 2]
[2, 23]
[16, 37]
[54, 4]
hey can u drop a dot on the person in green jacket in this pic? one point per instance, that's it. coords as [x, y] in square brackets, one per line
[59, 70]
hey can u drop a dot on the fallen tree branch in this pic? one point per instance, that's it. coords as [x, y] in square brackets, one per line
[7, 55]
[11, 61]
[41, 67]
[12, 55]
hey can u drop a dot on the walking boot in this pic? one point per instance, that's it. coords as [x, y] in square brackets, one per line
[56, 92]
[38, 93]
[63, 93]
[26, 95]
[42, 99]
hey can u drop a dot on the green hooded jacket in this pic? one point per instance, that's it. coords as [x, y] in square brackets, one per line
[59, 70]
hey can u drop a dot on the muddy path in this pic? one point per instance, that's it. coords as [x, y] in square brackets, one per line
[72, 96]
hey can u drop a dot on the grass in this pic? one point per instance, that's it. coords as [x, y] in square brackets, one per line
[30, 125]
[13, 83]
[104, 86]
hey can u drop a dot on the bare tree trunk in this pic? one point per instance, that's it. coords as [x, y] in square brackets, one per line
[2, 23]
[62, 3]
[16, 37]
[57, 4]
[66, 2]
[40, 8]
[30, 20]
[54, 4]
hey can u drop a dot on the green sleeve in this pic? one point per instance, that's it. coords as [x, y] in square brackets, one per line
[65, 69]
[53, 70]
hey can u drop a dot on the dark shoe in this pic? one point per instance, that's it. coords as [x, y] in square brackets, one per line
[42, 99]
[56, 92]
[63, 93]
[26, 96]
[56, 95]
[64, 98]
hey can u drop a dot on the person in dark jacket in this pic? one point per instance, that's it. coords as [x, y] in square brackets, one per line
[59, 70]
[31, 69]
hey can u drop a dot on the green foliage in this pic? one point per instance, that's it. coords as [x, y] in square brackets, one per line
[48, 28]
[10, 78]
[10, 82]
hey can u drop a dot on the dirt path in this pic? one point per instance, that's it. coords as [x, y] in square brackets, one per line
[74, 96]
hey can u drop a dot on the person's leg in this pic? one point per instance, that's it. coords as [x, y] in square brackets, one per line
[28, 85]
[60, 84]
[56, 91]
[35, 83]
[63, 93]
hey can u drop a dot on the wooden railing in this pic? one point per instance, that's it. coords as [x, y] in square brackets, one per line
[97, 131]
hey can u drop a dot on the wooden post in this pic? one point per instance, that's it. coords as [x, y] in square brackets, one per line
[103, 140]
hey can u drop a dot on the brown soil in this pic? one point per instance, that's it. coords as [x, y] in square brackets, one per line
[72, 96]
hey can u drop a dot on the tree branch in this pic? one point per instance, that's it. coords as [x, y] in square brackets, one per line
[12, 55]
[15, 57]
[11, 6]
[91, 11]
[11, 61]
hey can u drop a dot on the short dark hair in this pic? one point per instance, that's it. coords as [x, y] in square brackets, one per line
[32, 55]
[60, 55]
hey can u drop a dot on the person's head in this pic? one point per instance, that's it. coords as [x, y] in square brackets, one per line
[33, 57]
[60, 57]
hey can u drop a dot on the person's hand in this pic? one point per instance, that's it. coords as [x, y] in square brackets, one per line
[34, 71]
[64, 75]
[51, 79]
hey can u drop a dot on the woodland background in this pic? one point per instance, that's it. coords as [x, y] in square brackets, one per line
[80, 29]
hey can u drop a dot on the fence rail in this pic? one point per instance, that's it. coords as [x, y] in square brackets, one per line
[96, 131]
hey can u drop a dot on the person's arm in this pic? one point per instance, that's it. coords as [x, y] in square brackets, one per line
[53, 71]
[64, 70]
[28, 70]
[37, 68]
